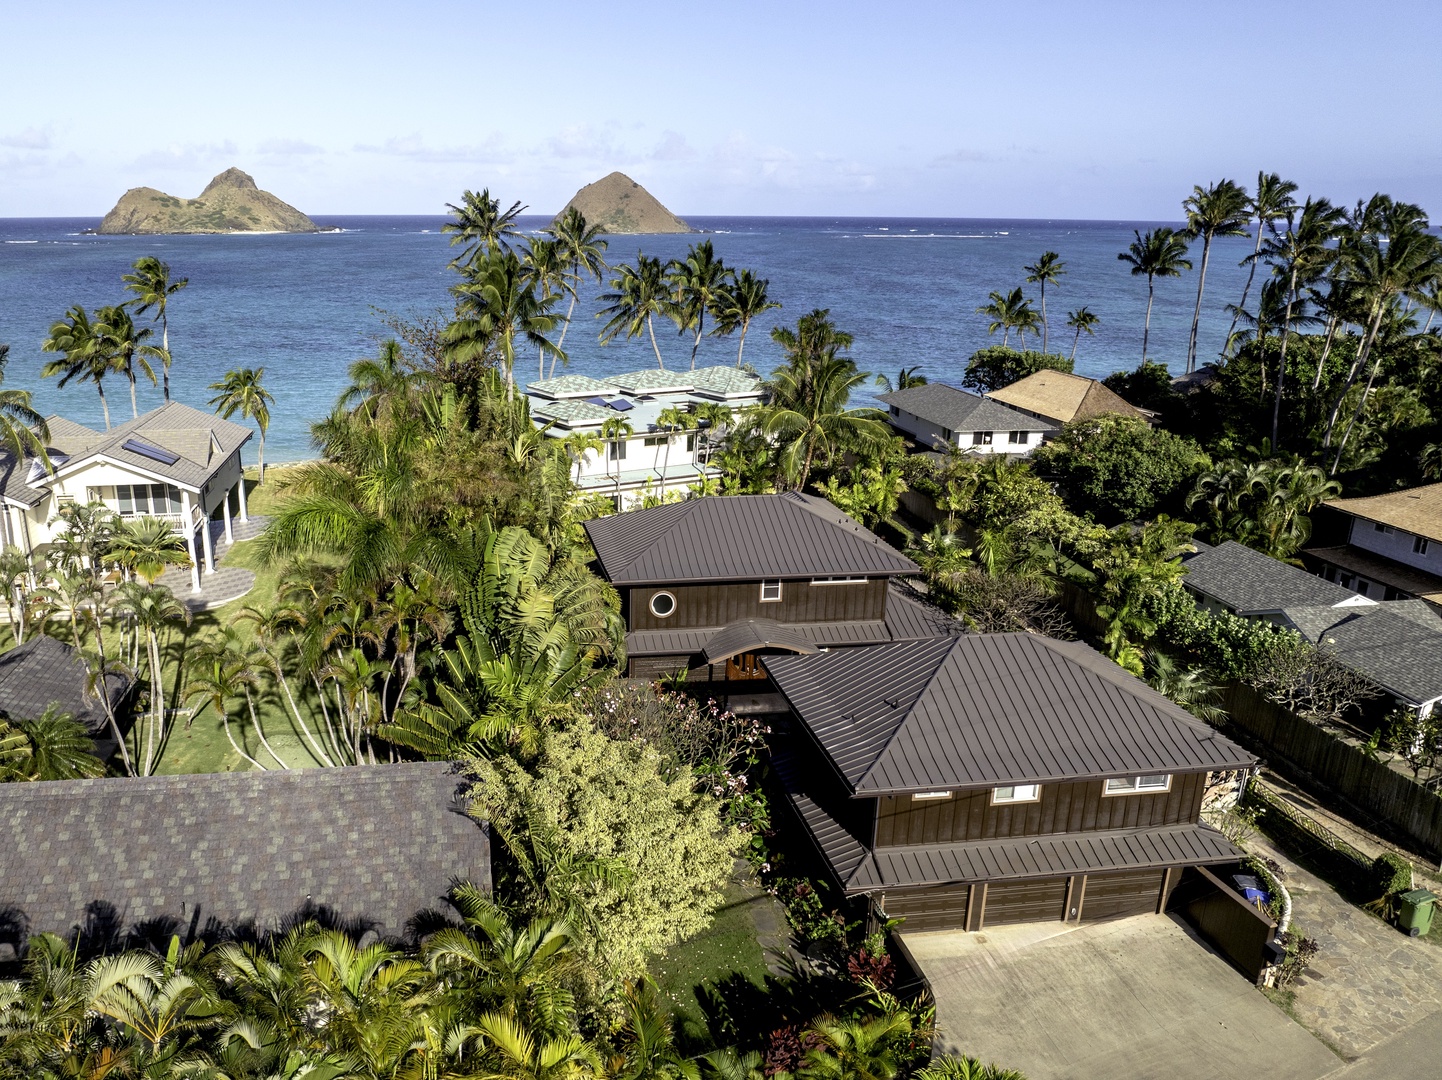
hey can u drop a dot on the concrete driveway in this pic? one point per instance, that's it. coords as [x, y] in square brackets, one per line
[1132, 999]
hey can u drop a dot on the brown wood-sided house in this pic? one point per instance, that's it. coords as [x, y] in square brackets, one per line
[708, 586]
[974, 780]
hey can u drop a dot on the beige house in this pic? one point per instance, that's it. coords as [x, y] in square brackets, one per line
[1058, 398]
[175, 463]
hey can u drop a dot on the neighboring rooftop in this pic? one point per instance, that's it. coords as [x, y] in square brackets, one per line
[959, 410]
[1396, 644]
[739, 538]
[1380, 569]
[1416, 510]
[1251, 583]
[41, 671]
[1062, 397]
[373, 845]
[989, 709]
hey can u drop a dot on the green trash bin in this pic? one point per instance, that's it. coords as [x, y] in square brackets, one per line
[1414, 913]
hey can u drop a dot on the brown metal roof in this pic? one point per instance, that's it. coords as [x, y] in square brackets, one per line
[749, 634]
[861, 870]
[985, 709]
[739, 538]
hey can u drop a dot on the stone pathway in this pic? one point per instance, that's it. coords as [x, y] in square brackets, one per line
[1369, 981]
[769, 919]
[228, 582]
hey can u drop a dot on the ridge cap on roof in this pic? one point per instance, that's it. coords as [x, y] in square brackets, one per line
[946, 653]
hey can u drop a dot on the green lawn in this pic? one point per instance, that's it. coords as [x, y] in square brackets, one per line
[727, 946]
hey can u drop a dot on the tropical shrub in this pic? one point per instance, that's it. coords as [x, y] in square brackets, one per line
[996, 366]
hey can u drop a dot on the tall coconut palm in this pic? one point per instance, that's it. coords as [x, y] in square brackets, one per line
[275, 629]
[546, 270]
[479, 224]
[1008, 312]
[738, 303]
[377, 381]
[218, 674]
[697, 282]
[615, 432]
[583, 249]
[241, 392]
[154, 608]
[669, 421]
[1272, 200]
[906, 378]
[1220, 209]
[23, 431]
[578, 444]
[814, 422]
[149, 280]
[79, 341]
[1047, 269]
[1160, 253]
[125, 347]
[1300, 254]
[499, 298]
[1082, 320]
[638, 295]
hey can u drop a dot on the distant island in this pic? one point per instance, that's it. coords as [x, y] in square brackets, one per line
[230, 203]
[620, 205]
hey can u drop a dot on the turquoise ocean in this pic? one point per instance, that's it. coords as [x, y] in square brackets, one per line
[305, 306]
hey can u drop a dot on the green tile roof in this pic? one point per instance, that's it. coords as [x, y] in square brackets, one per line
[571, 412]
[726, 381]
[566, 386]
[652, 381]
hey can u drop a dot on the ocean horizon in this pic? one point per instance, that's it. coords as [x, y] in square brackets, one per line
[304, 306]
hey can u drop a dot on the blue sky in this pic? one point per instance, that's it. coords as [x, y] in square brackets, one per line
[1081, 109]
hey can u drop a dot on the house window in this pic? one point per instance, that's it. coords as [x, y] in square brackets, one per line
[1017, 438]
[1419, 546]
[616, 450]
[1016, 793]
[1381, 528]
[663, 604]
[981, 438]
[691, 442]
[838, 581]
[895, 411]
[147, 500]
[946, 434]
[655, 440]
[921, 796]
[1135, 785]
[770, 592]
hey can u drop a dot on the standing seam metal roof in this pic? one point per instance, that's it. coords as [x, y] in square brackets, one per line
[739, 538]
[989, 709]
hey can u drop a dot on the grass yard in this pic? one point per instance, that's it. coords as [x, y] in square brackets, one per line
[728, 946]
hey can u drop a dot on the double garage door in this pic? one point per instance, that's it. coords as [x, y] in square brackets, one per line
[1098, 896]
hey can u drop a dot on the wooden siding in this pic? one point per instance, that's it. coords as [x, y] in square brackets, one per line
[727, 602]
[1077, 806]
[660, 667]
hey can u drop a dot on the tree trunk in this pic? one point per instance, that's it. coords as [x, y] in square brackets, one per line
[660, 364]
[165, 345]
[700, 329]
[225, 722]
[1197, 313]
[1074, 343]
[1246, 289]
[1045, 333]
[1147, 326]
[1332, 324]
[261, 460]
[104, 405]
[1282, 364]
[561, 343]
[744, 326]
[1363, 348]
[105, 701]
[321, 755]
[157, 700]
[134, 408]
[260, 732]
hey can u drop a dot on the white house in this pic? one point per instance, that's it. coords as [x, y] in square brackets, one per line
[937, 416]
[644, 460]
[175, 463]
[1387, 547]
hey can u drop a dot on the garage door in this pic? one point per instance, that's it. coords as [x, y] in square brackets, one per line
[941, 908]
[1114, 896]
[1025, 901]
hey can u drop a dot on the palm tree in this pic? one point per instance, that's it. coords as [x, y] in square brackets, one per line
[149, 280]
[479, 224]
[146, 545]
[513, 1053]
[375, 382]
[23, 431]
[546, 270]
[499, 298]
[153, 607]
[69, 593]
[218, 673]
[638, 294]
[808, 416]
[78, 340]
[582, 248]
[669, 421]
[1220, 209]
[1273, 200]
[738, 303]
[124, 347]
[697, 282]
[857, 1049]
[1301, 255]
[1160, 253]
[1081, 319]
[906, 378]
[15, 569]
[965, 1068]
[578, 444]
[1049, 268]
[52, 747]
[1188, 687]
[615, 432]
[1008, 312]
[241, 392]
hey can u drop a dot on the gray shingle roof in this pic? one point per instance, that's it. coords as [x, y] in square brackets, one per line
[203, 440]
[376, 844]
[861, 870]
[739, 538]
[1396, 644]
[985, 709]
[42, 671]
[960, 410]
[1251, 583]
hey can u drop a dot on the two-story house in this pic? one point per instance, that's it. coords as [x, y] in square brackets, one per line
[708, 586]
[1387, 547]
[175, 463]
[969, 781]
[636, 453]
[937, 417]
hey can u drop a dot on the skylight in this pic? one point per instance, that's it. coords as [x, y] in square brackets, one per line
[155, 453]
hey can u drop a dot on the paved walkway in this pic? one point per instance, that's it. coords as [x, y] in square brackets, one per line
[1369, 981]
[1132, 999]
[228, 582]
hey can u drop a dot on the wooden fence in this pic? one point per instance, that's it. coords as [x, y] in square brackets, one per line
[1311, 756]
[1239, 931]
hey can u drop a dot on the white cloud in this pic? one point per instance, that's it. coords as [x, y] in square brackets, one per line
[30, 139]
[672, 147]
[414, 148]
[289, 148]
[584, 141]
[187, 156]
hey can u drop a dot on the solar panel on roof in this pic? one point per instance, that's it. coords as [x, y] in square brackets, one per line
[600, 401]
[155, 453]
[620, 404]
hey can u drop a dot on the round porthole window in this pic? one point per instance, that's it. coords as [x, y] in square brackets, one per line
[662, 604]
